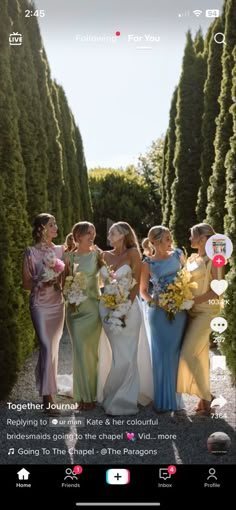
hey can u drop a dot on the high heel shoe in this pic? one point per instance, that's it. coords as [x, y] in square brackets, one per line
[205, 407]
[199, 407]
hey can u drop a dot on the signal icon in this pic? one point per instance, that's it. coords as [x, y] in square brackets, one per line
[184, 14]
[197, 13]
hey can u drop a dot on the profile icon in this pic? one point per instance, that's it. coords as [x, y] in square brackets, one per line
[212, 474]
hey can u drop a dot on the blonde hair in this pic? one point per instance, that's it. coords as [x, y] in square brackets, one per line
[202, 229]
[130, 238]
[69, 242]
[147, 247]
[156, 233]
[81, 229]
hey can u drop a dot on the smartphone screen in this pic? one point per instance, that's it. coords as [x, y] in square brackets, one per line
[118, 113]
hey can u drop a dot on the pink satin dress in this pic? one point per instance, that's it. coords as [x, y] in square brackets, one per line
[47, 313]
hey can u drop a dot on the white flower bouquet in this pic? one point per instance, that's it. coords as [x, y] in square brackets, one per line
[52, 268]
[74, 289]
[116, 299]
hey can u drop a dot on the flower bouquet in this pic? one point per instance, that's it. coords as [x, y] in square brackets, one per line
[74, 289]
[116, 298]
[177, 295]
[52, 268]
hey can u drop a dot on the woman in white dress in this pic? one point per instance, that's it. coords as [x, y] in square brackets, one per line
[118, 370]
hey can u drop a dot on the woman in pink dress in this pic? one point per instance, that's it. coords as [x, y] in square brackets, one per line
[46, 302]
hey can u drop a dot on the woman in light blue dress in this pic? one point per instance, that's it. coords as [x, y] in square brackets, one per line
[166, 335]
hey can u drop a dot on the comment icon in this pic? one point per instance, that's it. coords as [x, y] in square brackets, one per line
[219, 324]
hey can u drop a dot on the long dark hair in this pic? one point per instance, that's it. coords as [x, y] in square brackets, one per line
[39, 225]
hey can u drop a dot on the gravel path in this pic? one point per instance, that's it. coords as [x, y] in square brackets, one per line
[159, 439]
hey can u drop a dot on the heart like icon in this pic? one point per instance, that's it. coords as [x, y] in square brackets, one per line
[130, 436]
[219, 286]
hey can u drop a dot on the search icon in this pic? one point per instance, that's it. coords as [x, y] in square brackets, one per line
[219, 38]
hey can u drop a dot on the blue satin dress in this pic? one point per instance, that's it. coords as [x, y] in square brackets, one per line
[166, 335]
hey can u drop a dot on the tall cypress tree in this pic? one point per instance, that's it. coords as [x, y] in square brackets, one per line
[72, 189]
[188, 141]
[14, 229]
[54, 170]
[163, 175]
[199, 42]
[30, 122]
[229, 346]
[217, 188]
[230, 165]
[9, 340]
[68, 154]
[170, 169]
[86, 203]
[33, 160]
[211, 111]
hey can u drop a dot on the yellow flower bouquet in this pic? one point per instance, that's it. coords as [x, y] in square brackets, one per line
[177, 295]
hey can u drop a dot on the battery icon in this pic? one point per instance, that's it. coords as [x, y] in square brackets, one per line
[212, 13]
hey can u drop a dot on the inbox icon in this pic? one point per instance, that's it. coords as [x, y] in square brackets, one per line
[164, 473]
[117, 476]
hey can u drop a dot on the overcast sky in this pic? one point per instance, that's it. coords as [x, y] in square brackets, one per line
[119, 87]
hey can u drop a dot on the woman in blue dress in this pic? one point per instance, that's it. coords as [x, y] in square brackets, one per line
[166, 335]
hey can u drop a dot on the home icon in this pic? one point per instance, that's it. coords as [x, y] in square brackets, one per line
[23, 474]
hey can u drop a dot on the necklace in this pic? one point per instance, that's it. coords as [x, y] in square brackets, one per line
[116, 254]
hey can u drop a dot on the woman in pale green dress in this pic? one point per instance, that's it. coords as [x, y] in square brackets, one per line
[84, 323]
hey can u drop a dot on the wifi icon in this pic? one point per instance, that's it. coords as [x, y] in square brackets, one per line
[197, 13]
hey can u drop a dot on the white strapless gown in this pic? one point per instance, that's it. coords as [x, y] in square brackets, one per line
[125, 371]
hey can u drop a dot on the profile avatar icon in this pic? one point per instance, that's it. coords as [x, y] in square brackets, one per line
[218, 443]
[219, 246]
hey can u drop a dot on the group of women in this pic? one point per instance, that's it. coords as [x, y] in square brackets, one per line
[125, 368]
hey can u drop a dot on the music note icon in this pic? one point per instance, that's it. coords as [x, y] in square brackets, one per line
[11, 451]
